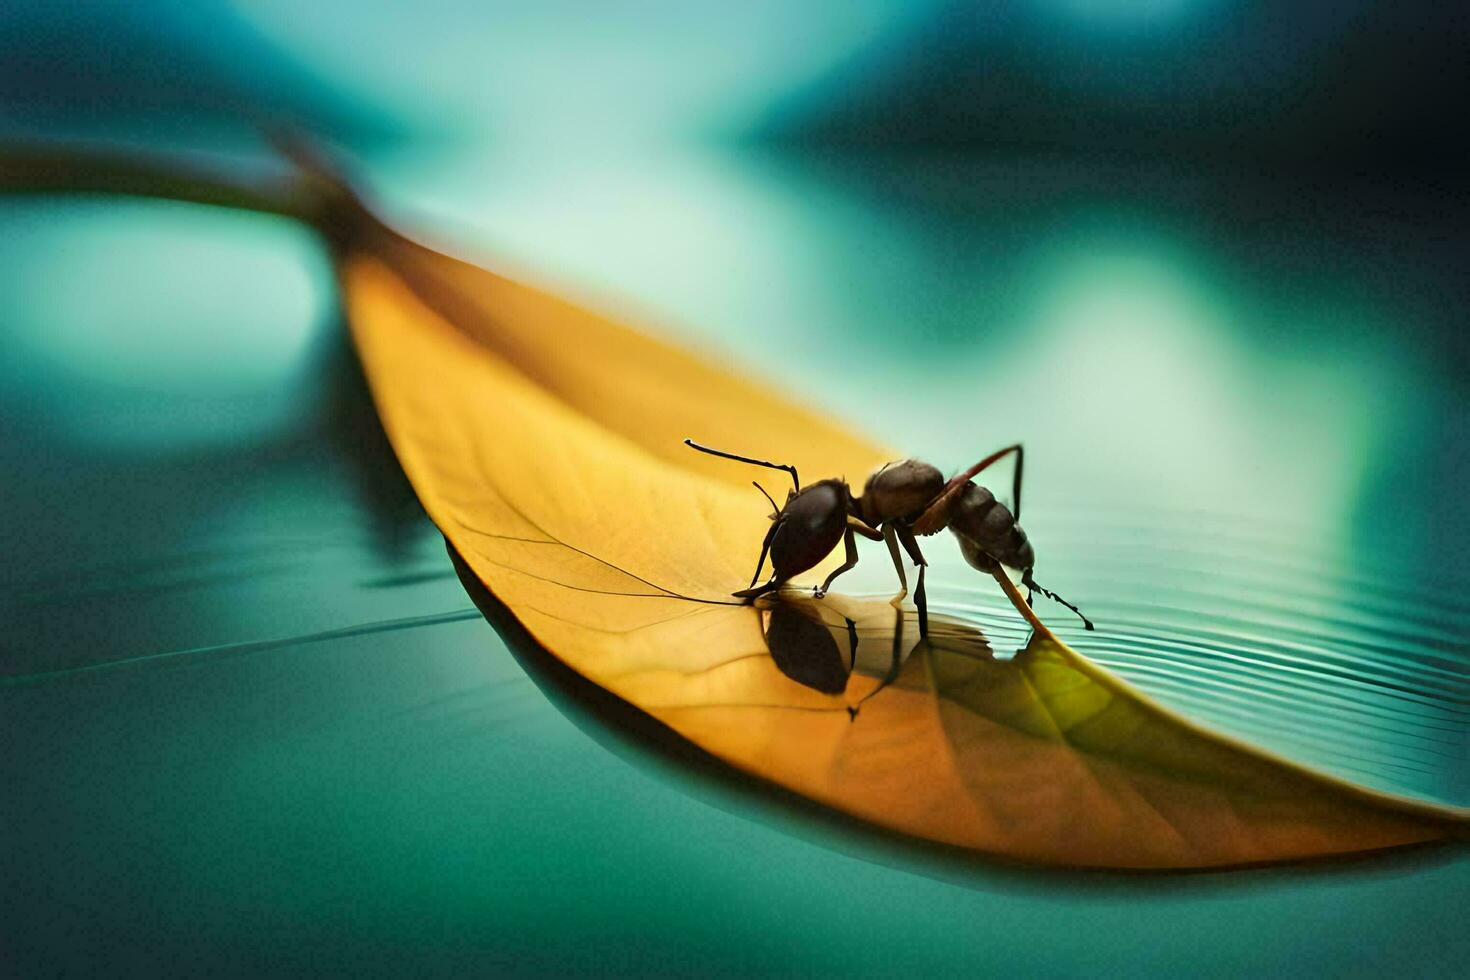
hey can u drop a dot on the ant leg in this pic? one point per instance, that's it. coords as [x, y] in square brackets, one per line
[895, 664]
[1031, 583]
[765, 548]
[936, 515]
[1016, 483]
[852, 559]
[863, 529]
[891, 536]
[1017, 600]
[912, 547]
[754, 593]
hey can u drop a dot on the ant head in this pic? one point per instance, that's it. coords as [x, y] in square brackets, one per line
[832, 497]
[810, 525]
[825, 497]
[899, 489]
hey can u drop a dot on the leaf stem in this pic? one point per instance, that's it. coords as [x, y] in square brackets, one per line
[52, 170]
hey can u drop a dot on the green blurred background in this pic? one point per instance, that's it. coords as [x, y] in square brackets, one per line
[1206, 258]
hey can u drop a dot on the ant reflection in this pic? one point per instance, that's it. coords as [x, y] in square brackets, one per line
[822, 645]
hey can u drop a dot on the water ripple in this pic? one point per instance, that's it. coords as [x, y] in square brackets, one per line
[1349, 667]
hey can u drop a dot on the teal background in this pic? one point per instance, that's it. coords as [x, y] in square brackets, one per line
[250, 720]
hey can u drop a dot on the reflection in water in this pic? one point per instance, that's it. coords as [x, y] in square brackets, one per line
[1391, 714]
[1352, 669]
[190, 456]
[816, 645]
[1042, 757]
[349, 424]
[216, 345]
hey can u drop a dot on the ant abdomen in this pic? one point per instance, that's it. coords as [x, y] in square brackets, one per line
[988, 532]
[900, 490]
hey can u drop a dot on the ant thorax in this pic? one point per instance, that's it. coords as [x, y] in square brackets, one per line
[900, 489]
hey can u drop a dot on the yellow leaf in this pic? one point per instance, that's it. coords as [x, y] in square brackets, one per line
[546, 443]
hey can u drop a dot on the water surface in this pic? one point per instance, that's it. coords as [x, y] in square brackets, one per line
[253, 721]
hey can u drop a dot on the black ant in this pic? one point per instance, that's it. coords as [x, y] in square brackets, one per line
[900, 500]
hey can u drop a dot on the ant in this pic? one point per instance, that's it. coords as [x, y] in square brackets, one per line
[900, 500]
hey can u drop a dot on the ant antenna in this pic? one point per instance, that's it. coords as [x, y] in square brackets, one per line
[775, 511]
[746, 459]
[1031, 583]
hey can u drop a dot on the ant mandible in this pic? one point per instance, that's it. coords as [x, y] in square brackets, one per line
[900, 500]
